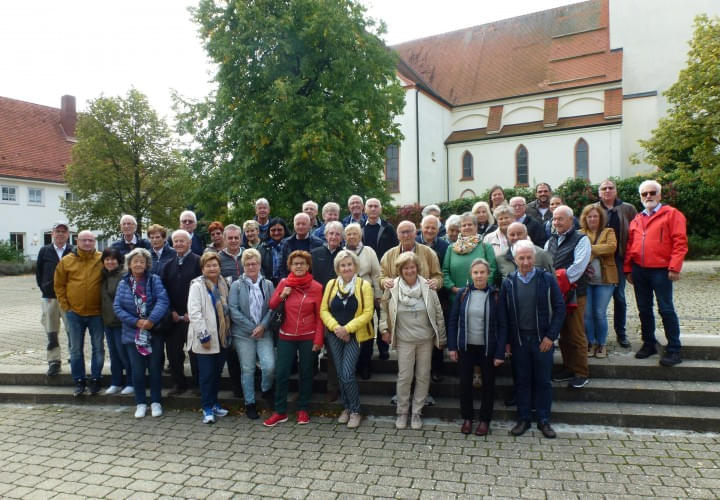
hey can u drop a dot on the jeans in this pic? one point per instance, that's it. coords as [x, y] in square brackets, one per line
[119, 360]
[619, 302]
[533, 372]
[209, 369]
[596, 325]
[475, 355]
[413, 359]
[653, 280]
[346, 355]
[286, 350]
[249, 350]
[77, 325]
[152, 363]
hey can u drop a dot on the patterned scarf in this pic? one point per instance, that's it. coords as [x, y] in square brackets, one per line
[143, 338]
[345, 290]
[410, 296]
[256, 298]
[466, 244]
[219, 296]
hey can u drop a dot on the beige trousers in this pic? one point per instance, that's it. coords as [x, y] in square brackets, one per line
[50, 319]
[413, 359]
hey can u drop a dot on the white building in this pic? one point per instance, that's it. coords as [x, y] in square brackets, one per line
[561, 93]
[35, 143]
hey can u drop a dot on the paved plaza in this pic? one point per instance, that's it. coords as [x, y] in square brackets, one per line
[102, 452]
[85, 451]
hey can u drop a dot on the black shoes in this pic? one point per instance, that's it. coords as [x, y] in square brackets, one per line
[94, 386]
[268, 395]
[436, 377]
[520, 428]
[364, 372]
[646, 350]
[578, 382]
[251, 412]
[546, 430]
[384, 356]
[670, 359]
[623, 341]
[563, 375]
[53, 369]
[511, 401]
[176, 391]
[79, 388]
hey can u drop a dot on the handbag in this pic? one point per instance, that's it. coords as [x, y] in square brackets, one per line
[277, 317]
[593, 271]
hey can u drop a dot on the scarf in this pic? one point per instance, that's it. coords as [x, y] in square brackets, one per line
[142, 337]
[357, 250]
[256, 298]
[345, 290]
[466, 244]
[410, 296]
[219, 296]
[299, 282]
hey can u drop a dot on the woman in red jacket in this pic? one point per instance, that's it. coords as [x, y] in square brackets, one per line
[301, 332]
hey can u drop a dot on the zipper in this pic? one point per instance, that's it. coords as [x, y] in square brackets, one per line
[297, 321]
[515, 312]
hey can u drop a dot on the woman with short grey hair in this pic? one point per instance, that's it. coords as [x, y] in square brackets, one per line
[504, 216]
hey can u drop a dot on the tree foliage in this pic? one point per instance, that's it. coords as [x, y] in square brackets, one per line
[304, 107]
[124, 162]
[687, 141]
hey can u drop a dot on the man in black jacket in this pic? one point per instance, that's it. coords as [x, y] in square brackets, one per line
[47, 260]
[176, 276]
[130, 240]
[301, 240]
[536, 231]
[539, 209]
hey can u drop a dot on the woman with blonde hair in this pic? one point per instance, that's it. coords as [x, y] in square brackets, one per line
[347, 311]
[485, 220]
[504, 216]
[209, 331]
[602, 277]
[412, 321]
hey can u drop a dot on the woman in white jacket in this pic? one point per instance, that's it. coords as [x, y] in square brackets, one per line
[209, 331]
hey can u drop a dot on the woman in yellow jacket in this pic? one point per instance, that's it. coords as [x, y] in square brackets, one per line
[602, 276]
[347, 310]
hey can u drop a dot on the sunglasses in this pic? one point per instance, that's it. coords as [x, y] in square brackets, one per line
[648, 193]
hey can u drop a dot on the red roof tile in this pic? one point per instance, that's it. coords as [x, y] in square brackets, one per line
[573, 122]
[545, 51]
[32, 142]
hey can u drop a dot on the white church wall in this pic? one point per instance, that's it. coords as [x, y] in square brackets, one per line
[585, 103]
[523, 112]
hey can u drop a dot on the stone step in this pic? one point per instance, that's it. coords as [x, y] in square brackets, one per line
[652, 416]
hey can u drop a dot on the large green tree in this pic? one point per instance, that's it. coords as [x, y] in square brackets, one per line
[687, 142]
[304, 107]
[124, 162]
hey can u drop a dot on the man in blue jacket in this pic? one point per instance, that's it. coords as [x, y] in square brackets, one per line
[530, 316]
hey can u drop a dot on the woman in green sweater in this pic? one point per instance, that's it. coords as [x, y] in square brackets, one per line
[468, 247]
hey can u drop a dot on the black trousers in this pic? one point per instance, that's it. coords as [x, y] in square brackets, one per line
[475, 355]
[233, 364]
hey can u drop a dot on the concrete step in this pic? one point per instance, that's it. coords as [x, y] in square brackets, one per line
[652, 416]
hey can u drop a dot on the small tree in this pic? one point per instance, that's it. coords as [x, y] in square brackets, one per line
[124, 162]
[687, 141]
[305, 104]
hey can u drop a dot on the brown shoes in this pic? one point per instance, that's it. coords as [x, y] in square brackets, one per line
[482, 429]
[466, 427]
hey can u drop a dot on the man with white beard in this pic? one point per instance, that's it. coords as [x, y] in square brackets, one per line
[656, 248]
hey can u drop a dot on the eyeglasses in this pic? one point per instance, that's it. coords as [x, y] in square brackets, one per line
[607, 188]
[188, 221]
[648, 193]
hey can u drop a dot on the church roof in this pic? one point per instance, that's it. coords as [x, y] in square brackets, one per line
[545, 51]
[33, 144]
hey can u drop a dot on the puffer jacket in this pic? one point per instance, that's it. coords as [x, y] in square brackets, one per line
[657, 241]
[126, 311]
[78, 278]
[457, 339]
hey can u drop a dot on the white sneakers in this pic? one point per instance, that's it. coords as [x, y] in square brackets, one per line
[155, 410]
[401, 421]
[128, 389]
[354, 421]
[140, 410]
[113, 389]
[416, 421]
[344, 417]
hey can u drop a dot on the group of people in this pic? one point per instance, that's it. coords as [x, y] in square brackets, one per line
[502, 282]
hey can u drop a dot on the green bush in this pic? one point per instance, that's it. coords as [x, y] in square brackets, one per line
[8, 252]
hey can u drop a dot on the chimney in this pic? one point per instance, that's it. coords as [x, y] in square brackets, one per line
[68, 116]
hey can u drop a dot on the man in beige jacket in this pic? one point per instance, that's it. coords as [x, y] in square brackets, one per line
[429, 263]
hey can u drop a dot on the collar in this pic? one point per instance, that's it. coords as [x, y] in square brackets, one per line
[521, 219]
[528, 277]
[133, 241]
[411, 250]
[227, 251]
[645, 212]
[377, 223]
[60, 249]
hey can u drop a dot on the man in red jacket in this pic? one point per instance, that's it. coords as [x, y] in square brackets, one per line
[656, 247]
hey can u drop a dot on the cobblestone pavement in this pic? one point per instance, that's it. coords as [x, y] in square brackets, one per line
[22, 340]
[102, 452]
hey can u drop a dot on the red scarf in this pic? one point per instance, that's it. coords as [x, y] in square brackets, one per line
[298, 282]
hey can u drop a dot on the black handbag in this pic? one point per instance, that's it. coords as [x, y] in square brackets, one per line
[277, 317]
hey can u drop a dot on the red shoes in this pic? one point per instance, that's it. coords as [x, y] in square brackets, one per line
[275, 418]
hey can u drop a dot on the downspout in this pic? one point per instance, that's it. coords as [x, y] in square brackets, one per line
[447, 173]
[417, 143]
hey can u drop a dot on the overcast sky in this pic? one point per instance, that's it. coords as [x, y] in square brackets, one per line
[91, 47]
